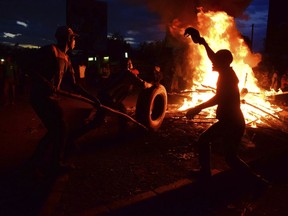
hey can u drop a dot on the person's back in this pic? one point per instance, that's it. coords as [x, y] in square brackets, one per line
[45, 69]
[229, 97]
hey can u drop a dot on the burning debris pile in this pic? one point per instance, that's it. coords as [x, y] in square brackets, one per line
[215, 22]
[219, 29]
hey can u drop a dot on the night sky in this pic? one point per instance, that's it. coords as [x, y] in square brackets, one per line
[34, 21]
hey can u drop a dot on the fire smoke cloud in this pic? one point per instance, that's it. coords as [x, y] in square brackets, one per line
[186, 10]
[176, 16]
[184, 13]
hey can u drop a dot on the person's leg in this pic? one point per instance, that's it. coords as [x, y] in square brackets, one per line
[51, 115]
[39, 105]
[248, 176]
[232, 135]
[204, 148]
[235, 162]
[56, 124]
[232, 140]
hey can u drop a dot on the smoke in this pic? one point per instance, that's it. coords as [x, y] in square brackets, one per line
[181, 14]
[186, 10]
[177, 15]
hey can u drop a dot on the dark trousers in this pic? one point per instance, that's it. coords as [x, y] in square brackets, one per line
[229, 134]
[54, 141]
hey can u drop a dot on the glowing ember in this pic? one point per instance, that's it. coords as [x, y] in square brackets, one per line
[220, 31]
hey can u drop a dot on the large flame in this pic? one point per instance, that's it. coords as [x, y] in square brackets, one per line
[219, 30]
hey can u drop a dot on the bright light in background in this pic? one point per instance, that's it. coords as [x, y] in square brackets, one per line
[22, 23]
[92, 59]
[30, 46]
[130, 40]
[10, 35]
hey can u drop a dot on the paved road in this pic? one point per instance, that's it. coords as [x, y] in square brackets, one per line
[138, 173]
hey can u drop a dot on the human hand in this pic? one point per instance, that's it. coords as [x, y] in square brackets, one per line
[147, 85]
[194, 33]
[192, 112]
[201, 40]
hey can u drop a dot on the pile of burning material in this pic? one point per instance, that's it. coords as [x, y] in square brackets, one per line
[220, 31]
[258, 112]
[279, 97]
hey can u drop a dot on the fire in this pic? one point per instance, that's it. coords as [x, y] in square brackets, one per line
[219, 30]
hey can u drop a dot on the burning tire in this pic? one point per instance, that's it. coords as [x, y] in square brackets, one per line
[151, 107]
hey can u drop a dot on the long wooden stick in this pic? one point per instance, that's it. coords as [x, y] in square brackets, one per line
[87, 100]
[245, 102]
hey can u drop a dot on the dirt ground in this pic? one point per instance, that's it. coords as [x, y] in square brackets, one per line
[113, 167]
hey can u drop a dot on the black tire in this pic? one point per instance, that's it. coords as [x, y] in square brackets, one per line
[151, 107]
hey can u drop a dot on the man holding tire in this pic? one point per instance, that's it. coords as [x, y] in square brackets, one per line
[114, 91]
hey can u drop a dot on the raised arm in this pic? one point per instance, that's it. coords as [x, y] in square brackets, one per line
[196, 38]
[209, 51]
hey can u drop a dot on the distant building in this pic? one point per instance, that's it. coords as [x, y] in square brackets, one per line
[89, 19]
[277, 34]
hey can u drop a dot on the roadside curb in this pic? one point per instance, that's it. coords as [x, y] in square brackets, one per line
[142, 198]
[49, 207]
[121, 204]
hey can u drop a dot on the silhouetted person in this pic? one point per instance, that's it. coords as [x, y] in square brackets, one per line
[231, 123]
[131, 68]
[118, 86]
[157, 75]
[82, 70]
[11, 72]
[52, 65]
[274, 80]
[284, 81]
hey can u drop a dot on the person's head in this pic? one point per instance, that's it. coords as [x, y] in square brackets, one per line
[65, 36]
[157, 68]
[223, 58]
[129, 64]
